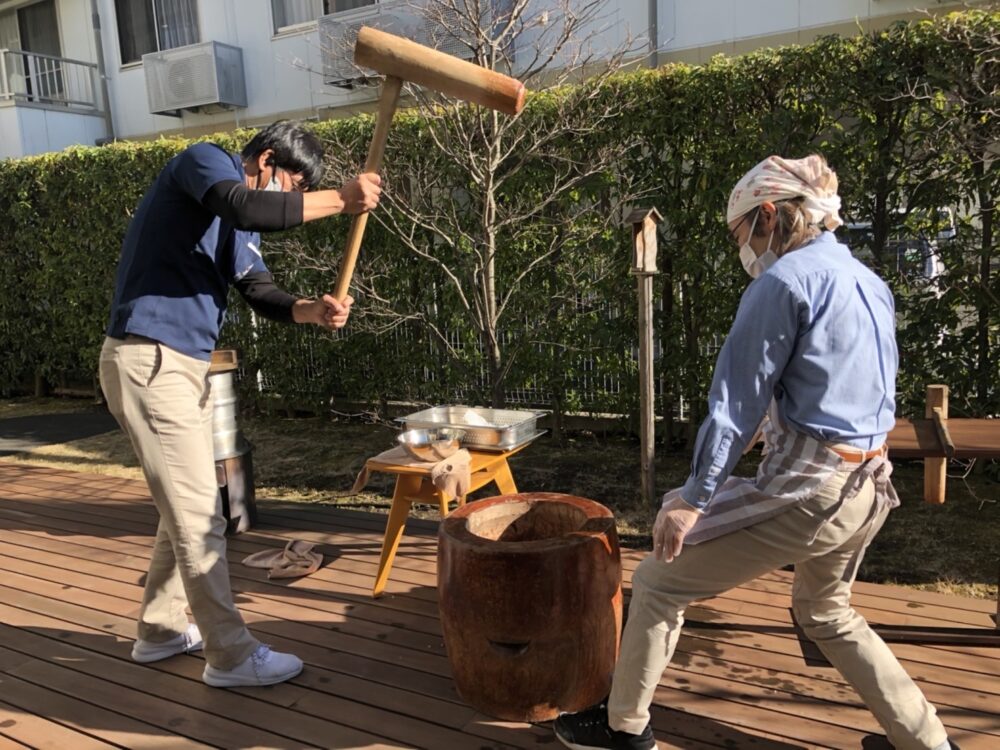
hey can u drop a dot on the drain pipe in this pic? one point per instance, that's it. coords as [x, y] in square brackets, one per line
[662, 29]
[654, 34]
[95, 19]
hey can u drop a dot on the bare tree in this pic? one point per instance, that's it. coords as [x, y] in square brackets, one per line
[489, 202]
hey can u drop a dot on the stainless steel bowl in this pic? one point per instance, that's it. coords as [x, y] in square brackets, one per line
[431, 444]
[447, 441]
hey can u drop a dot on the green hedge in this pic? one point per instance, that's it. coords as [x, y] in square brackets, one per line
[905, 116]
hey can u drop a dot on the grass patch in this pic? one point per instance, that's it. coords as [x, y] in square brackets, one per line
[950, 548]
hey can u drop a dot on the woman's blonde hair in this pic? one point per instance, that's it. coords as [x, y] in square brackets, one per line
[792, 229]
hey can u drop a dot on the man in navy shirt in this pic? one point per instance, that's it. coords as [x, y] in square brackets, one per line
[194, 235]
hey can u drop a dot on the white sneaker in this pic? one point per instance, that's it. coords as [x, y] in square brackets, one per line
[147, 651]
[264, 667]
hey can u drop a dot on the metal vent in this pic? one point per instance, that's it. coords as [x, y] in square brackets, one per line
[445, 31]
[195, 76]
[338, 33]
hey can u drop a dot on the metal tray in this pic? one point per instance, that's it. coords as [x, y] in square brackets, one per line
[504, 448]
[485, 429]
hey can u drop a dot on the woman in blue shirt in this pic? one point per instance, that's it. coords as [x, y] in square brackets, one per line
[813, 350]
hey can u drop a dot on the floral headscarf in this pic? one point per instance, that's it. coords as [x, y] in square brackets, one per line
[778, 179]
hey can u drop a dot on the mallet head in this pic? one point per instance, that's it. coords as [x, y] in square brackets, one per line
[393, 55]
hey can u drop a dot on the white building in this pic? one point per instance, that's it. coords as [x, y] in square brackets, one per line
[72, 71]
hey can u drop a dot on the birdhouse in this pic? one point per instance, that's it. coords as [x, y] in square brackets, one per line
[644, 222]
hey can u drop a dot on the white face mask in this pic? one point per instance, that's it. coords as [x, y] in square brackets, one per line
[751, 263]
[273, 186]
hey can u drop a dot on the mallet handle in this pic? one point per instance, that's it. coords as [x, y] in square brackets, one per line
[386, 109]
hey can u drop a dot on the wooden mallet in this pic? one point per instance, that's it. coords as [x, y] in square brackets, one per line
[400, 60]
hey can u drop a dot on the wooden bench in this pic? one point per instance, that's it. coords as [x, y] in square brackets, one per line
[935, 439]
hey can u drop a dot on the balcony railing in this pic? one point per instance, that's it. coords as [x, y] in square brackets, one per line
[44, 79]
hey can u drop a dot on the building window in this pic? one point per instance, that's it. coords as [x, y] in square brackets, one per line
[154, 25]
[288, 13]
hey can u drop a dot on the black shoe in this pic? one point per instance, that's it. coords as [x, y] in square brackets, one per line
[881, 742]
[589, 730]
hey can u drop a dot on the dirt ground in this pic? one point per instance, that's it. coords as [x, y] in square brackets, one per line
[950, 548]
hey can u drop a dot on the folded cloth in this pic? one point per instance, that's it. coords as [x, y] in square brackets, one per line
[452, 476]
[296, 559]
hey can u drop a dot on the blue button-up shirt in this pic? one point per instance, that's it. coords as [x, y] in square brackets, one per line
[816, 332]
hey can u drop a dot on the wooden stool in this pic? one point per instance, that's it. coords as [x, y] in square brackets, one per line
[413, 485]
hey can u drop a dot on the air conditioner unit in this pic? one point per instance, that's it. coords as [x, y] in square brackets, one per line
[445, 31]
[338, 33]
[195, 76]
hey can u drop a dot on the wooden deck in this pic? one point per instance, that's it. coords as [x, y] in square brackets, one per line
[74, 549]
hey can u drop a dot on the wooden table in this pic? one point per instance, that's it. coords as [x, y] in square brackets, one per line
[413, 485]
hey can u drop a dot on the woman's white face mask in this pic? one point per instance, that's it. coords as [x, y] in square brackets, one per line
[751, 263]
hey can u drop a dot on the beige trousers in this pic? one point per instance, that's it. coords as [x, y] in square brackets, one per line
[162, 399]
[825, 538]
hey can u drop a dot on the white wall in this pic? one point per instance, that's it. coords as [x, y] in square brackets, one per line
[10, 134]
[282, 72]
[26, 130]
[31, 130]
[53, 130]
[684, 24]
[622, 26]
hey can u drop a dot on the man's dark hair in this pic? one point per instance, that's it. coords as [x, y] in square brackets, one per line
[296, 150]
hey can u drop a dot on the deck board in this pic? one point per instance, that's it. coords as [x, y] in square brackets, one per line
[74, 549]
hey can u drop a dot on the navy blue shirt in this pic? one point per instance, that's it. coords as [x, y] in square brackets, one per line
[179, 259]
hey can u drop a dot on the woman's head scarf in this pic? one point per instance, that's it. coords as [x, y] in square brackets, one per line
[777, 179]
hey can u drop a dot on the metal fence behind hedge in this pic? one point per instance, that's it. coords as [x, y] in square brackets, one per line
[592, 389]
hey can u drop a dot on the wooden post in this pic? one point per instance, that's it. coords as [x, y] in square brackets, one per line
[644, 223]
[935, 468]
